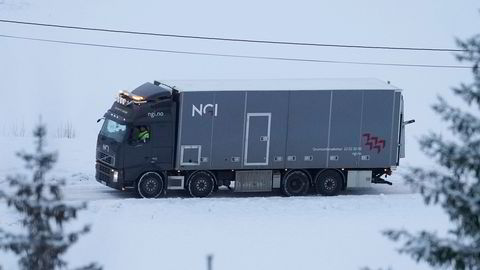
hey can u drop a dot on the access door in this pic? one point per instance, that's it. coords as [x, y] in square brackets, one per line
[257, 138]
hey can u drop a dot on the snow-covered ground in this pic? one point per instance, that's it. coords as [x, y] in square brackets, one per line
[258, 231]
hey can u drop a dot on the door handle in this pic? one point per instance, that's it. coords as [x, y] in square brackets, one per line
[151, 159]
[263, 138]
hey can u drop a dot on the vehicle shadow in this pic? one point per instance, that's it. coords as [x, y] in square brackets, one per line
[102, 192]
[225, 193]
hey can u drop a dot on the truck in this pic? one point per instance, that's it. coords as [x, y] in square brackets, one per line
[295, 136]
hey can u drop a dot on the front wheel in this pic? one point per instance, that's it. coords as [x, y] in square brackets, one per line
[151, 185]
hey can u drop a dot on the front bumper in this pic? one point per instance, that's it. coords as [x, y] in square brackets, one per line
[106, 175]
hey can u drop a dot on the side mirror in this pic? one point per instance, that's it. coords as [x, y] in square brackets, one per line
[408, 122]
[100, 119]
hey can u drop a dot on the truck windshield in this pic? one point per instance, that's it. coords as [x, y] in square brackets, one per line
[113, 130]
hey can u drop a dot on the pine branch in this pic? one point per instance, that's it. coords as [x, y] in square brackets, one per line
[471, 52]
[460, 199]
[461, 123]
[470, 93]
[460, 159]
[437, 251]
[92, 266]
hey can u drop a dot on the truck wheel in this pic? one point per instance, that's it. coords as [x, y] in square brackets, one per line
[295, 183]
[328, 183]
[201, 184]
[150, 185]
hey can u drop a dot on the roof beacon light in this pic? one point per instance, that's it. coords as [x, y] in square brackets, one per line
[126, 98]
[137, 98]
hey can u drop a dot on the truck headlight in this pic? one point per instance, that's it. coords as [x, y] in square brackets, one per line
[115, 176]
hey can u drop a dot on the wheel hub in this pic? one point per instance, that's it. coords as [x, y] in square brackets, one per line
[330, 184]
[296, 184]
[201, 185]
[151, 185]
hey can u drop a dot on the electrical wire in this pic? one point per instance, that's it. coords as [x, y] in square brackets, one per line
[234, 39]
[232, 55]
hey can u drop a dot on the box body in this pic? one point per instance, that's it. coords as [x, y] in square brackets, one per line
[269, 129]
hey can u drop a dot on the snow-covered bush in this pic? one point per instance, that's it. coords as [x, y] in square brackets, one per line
[43, 213]
[457, 190]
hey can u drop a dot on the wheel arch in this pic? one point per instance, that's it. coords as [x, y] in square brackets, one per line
[161, 173]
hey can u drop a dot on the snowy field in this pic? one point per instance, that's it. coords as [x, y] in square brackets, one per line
[264, 231]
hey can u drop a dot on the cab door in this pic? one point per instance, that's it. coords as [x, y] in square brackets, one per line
[138, 150]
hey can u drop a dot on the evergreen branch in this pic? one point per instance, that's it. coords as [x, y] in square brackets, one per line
[471, 52]
[463, 123]
[436, 251]
[92, 266]
[470, 93]
[458, 198]
[460, 159]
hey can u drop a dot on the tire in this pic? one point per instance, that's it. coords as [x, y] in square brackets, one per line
[151, 185]
[201, 184]
[295, 183]
[329, 183]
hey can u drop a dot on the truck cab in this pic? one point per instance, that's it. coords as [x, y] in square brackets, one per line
[122, 154]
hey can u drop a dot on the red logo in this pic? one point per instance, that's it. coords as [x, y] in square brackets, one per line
[374, 142]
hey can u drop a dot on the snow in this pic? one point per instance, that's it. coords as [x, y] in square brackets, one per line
[243, 231]
[282, 84]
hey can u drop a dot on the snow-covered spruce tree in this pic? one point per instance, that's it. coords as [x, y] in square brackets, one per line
[456, 188]
[43, 213]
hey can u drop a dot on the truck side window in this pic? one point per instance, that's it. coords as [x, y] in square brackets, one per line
[140, 134]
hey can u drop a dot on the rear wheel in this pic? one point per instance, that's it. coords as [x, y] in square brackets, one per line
[201, 184]
[151, 185]
[295, 183]
[329, 183]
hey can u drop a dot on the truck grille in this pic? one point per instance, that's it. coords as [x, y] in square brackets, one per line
[103, 172]
[106, 158]
[103, 177]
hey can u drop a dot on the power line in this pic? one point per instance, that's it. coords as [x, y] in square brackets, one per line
[233, 55]
[235, 39]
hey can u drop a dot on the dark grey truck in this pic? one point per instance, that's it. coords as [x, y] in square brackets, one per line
[252, 136]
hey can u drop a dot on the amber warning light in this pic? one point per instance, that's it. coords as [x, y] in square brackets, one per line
[126, 98]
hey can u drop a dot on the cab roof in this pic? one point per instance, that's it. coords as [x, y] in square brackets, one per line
[150, 91]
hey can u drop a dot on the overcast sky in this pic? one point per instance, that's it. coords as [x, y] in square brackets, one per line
[78, 84]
